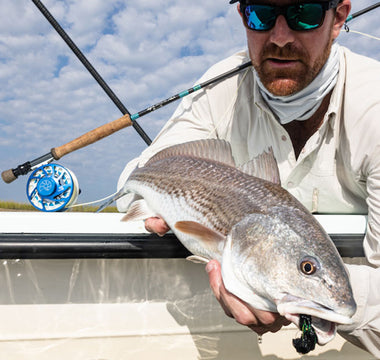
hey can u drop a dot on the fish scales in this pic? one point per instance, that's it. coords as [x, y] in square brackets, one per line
[208, 186]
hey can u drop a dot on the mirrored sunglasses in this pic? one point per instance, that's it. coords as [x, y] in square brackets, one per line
[299, 17]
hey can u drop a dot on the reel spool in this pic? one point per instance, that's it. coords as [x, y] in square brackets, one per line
[52, 187]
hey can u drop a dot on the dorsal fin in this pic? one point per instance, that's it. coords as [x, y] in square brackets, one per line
[263, 166]
[212, 149]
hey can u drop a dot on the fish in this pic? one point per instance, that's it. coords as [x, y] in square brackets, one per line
[274, 254]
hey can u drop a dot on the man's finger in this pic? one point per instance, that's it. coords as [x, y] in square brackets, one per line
[216, 283]
[156, 225]
[215, 278]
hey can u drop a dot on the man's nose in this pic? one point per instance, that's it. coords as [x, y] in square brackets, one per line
[281, 34]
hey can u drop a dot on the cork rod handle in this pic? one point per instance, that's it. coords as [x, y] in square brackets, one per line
[92, 136]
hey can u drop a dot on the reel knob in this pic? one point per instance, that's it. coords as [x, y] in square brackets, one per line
[52, 187]
[46, 186]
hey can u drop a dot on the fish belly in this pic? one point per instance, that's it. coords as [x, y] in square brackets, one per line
[174, 209]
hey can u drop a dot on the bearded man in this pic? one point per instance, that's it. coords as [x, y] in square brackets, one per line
[317, 105]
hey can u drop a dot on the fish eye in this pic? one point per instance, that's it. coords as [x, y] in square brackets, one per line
[309, 266]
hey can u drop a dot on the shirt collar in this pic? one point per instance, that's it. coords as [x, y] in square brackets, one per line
[336, 99]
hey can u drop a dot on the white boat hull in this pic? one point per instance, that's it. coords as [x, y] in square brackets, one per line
[124, 308]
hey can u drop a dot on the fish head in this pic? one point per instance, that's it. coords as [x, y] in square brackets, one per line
[290, 265]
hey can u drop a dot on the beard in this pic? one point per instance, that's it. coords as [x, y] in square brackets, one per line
[287, 81]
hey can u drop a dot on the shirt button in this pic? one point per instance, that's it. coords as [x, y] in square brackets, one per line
[284, 138]
[290, 184]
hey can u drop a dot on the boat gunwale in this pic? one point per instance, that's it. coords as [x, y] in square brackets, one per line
[122, 246]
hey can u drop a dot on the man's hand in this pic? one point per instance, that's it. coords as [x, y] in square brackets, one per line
[257, 320]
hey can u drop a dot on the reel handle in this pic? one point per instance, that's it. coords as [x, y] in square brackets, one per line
[12, 174]
[92, 136]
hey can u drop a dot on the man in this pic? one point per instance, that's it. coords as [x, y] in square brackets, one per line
[317, 105]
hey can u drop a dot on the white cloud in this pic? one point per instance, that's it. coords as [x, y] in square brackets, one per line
[146, 51]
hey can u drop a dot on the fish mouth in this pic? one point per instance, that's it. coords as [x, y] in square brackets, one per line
[324, 320]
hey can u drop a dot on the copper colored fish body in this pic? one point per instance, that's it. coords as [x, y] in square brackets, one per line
[274, 254]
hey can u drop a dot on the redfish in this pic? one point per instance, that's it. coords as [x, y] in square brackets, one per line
[274, 254]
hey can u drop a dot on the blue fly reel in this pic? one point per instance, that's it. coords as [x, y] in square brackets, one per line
[52, 187]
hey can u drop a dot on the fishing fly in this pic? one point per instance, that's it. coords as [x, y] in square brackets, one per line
[308, 339]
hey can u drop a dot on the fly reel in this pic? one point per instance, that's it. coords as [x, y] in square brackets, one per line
[52, 187]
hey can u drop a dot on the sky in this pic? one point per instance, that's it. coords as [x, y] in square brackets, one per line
[145, 50]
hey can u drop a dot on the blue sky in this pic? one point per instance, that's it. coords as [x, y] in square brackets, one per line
[145, 50]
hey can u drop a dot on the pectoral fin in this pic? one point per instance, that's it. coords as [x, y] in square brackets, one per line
[139, 210]
[199, 231]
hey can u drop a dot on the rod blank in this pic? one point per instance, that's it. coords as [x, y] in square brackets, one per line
[361, 12]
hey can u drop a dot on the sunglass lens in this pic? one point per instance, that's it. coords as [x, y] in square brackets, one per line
[260, 17]
[305, 16]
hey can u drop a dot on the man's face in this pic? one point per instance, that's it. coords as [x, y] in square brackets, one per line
[287, 60]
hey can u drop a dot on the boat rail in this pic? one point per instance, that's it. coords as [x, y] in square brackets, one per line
[29, 235]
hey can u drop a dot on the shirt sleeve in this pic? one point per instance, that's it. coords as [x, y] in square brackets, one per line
[364, 332]
[371, 242]
[365, 279]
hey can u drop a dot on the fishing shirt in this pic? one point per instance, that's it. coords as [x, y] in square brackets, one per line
[337, 171]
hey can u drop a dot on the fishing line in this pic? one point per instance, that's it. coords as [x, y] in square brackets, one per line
[359, 13]
[92, 202]
[361, 33]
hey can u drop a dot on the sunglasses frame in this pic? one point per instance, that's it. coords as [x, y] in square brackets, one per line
[282, 10]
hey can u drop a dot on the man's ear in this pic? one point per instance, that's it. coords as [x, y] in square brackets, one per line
[341, 13]
[238, 9]
[241, 14]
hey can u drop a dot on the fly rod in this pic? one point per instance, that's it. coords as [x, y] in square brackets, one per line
[107, 129]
